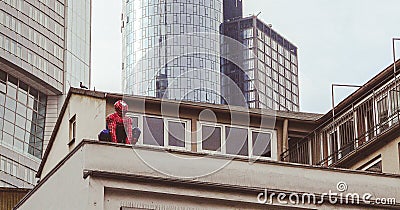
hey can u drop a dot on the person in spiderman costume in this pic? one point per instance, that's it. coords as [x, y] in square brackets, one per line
[117, 122]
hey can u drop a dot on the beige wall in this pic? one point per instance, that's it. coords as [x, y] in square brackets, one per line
[390, 158]
[90, 120]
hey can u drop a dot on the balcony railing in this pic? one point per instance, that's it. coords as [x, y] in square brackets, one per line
[359, 124]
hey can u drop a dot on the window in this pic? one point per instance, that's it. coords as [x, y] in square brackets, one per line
[375, 165]
[153, 131]
[211, 138]
[236, 141]
[261, 143]
[162, 131]
[72, 130]
[176, 134]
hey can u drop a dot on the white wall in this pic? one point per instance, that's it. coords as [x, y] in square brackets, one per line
[65, 189]
[90, 118]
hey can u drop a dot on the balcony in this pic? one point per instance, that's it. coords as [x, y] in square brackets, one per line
[366, 120]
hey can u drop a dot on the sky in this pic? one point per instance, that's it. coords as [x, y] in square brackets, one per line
[339, 41]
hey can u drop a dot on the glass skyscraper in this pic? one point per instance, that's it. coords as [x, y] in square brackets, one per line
[44, 49]
[171, 49]
[179, 49]
[268, 77]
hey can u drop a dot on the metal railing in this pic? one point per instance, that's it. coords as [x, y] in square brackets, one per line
[358, 124]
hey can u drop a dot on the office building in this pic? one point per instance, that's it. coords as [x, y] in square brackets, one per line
[192, 161]
[44, 49]
[171, 49]
[268, 72]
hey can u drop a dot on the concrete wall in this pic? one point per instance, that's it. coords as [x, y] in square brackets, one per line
[90, 120]
[390, 158]
[161, 188]
[65, 189]
[269, 174]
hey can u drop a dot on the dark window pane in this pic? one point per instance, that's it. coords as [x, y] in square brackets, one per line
[13, 80]
[42, 109]
[153, 131]
[176, 134]
[3, 76]
[211, 138]
[261, 144]
[236, 141]
[33, 93]
[377, 167]
[42, 98]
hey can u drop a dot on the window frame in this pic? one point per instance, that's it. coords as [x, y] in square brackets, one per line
[250, 130]
[200, 125]
[262, 131]
[166, 121]
[371, 163]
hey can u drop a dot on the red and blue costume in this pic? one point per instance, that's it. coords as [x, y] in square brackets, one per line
[119, 125]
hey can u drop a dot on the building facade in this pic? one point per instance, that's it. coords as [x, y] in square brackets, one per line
[44, 49]
[361, 133]
[171, 49]
[268, 75]
[191, 160]
[176, 50]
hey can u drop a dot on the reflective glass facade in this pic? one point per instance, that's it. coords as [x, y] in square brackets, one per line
[22, 115]
[77, 60]
[171, 49]
[269, 77]
[44, 49]
[34, 37]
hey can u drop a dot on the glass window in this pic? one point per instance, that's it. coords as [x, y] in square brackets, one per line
[9, 115]
[236, 141]
[20, 121]
[261, 144]
[7, 138]
[12, 91]
[211, 138]
[3, 87]
[176, 134]
[153, 131]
